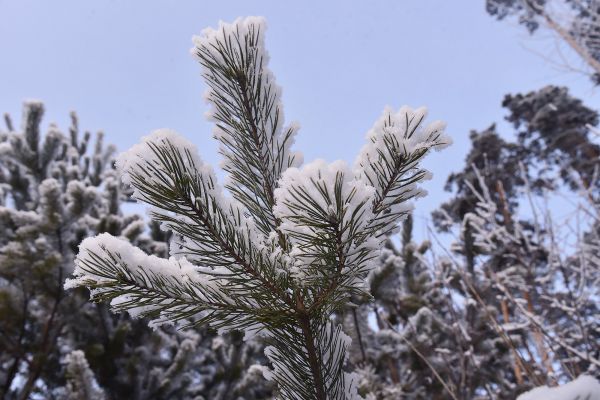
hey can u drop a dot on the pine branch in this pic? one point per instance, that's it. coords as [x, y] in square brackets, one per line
[324, 211]
[249, 114]
[166, 291]
[81, 383]
[389, 162]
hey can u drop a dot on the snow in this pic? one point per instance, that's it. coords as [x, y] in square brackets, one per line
[81, 380]
[318, 180]
[406, 128]
[145, 165]
[134, 228]
[210, 38]
[33, 103]
[5, 149]
[583, 388]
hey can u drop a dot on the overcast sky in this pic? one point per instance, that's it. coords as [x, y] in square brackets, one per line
[125, 67]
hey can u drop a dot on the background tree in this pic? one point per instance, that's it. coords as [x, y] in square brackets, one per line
[553, 146]
[522, 265]
[56, 189]
[575, 22]
[427, 342]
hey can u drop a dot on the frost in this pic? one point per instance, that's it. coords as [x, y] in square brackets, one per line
[405, 128]
[81, 381]
[148, 171]
[133, 258]
[210, 41]
[317, 183]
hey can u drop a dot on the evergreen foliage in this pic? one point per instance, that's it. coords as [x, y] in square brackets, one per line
[531, 275]
[289, 247]
[81, 383]
[428, 342]
[554, 131]
[55, 190]
[554, 146]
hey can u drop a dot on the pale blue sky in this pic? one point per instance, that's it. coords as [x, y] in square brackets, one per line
[125, 67]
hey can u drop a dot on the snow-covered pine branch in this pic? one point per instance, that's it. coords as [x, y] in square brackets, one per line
[325, 211]
[166, 290]
[291, 245]
[389, 162]
[247, 110]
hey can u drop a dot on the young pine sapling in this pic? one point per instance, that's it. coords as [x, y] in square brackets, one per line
[285, 245]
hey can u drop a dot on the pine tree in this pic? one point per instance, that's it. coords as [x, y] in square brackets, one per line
[428, 343]
[50, 186]
[408, 307]
[553, 146]
[549, 321]
[554, 131]
[497, 159]
[289, 247]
